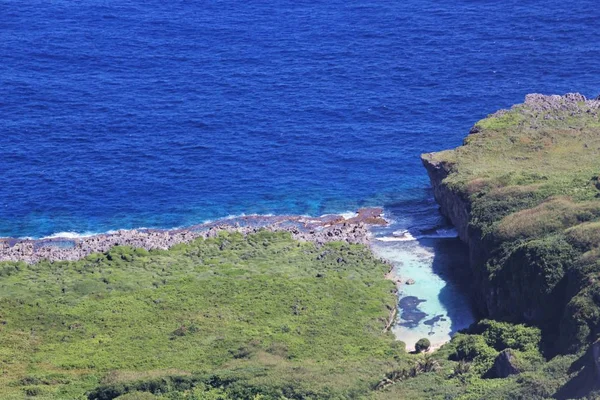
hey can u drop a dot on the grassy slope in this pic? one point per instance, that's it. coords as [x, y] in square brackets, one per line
[257, 317]
[266, 308]
[524, 151]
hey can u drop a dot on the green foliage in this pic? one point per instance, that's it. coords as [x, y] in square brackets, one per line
[422, 345]
[470, 347]
[473, 348]
[585, 236]
[137, 396]
[502, 335]
[501, 121]
[554, 215]
[493, 202]
[259, 317]
[580, 319]
[251, 306]
[462, 367]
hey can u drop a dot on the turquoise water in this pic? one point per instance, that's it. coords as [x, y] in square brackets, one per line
[433, 257]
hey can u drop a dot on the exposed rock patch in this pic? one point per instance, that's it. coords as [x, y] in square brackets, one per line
[505, 364]
[554, 107]
[319, 230]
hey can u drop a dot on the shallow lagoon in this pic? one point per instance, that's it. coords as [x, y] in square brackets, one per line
[437, 305]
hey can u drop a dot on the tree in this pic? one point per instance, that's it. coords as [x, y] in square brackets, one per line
[422, 345]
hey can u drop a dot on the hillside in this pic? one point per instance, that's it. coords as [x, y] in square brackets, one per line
[257, 316]
[240, 314]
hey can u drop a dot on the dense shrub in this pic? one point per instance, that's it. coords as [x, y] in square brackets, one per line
[494, 205]
[503, 335]
[472, 348]
[33, 391]
[581, 315]
[422, 345]
[137, 396]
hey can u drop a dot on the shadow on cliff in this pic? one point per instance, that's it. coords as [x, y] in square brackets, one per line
[583, 379]
[451, 263]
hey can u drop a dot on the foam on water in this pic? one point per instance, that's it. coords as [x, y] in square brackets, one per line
[406, 237]
[346, 215]
[69, 235]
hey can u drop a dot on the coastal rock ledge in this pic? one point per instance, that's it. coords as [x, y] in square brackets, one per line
[319, 230]
[523, 193]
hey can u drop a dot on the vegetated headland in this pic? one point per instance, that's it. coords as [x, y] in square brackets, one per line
[524, 193]
[297, 308]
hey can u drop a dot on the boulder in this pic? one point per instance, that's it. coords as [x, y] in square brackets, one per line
[505, 364]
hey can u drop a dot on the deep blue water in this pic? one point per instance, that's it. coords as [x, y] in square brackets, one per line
[120, 114]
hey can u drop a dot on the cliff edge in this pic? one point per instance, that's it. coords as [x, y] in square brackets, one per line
[524, 193]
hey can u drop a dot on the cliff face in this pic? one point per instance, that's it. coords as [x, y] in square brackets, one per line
[522, 195]
[453, 205]
[457, 207]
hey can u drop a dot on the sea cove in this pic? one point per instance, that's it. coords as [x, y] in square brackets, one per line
[427, 270]
[433, 288]
[280, 200]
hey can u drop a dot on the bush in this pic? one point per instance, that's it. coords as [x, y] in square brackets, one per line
[33, 391]
[422, 345]
[472, 348]
[461, 368]
[503, 335]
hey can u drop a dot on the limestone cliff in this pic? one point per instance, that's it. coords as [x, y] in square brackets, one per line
[522, 192]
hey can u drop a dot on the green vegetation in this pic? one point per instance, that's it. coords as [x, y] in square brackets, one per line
[256, 317]
[422, 345]
[529, 180]
[262, 312]
[463, 369]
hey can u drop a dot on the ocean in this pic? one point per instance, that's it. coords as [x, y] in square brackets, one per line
[121, 114]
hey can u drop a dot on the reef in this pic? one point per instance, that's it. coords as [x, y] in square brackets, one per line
[319, 230]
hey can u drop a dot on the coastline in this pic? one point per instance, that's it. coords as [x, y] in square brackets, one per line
[320, 230]
[353, 229]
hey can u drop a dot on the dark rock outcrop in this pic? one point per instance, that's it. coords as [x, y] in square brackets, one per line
[505, 364]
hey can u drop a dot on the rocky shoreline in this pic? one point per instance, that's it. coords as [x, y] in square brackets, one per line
[319, 230]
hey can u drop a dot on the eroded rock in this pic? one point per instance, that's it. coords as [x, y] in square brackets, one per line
[319, 230]
[505, 365]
